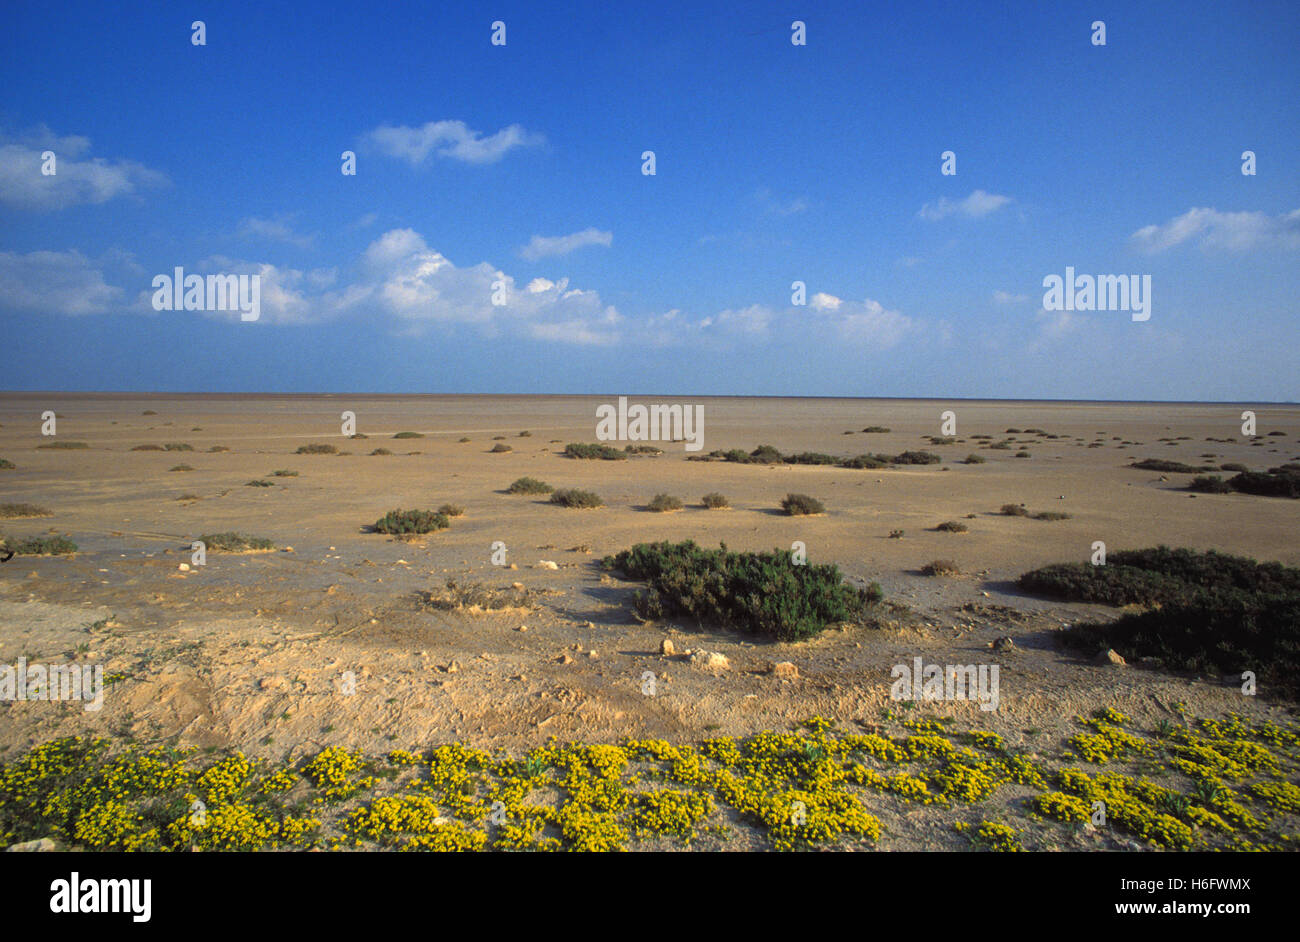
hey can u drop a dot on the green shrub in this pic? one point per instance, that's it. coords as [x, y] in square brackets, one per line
[464, 439]
[1050, 515]
[232, 542]
[452, 510]
[1276, 482]
[6, 464]
[801, 505]
[940, 567]
[411, 521]
[572, 497]
[381, 451]
[317, 449]
[1022, 454]
[762, 593]
[952, 526]
[643, 450]
[975, 459]
[603, 452]
[766, 454]
[177, 446]
[916, 457]
[715, 501]
[284, 473]
[1233, 466]
[148, 412]
[408, 435]
[43, 546]
[257, 483]
[180, 467]
[1210, 484]
[64, 445]
[866, 462]
[662, 503]
[876, 429]
[1014, 510]
[13, 511]
[147, 448]
[499, 449]
[529, 486]
[1169, 467]
[218, 448]
[811, 457]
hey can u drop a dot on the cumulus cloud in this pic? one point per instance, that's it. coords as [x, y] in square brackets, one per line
[448, 139]
[54, 283]
[77, 179]
[545, 246]
[1006, 297]
[979, 203]
[1211, 229]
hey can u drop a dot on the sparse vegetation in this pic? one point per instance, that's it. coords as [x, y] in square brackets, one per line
[232, 542]
[589, 451]
[317, 449]
[499, 449]
[1014, 510]
[1170, 467]
[663, 503]
[715, 501]
[1050, 515]
[452, 510]
[763, 593]
[147, 448]
[572, 497]
[178, 446]
[381, 451]
[180, 467]
[940, 567]
[259, 483]
[408, 435]
[15, 511]
[64, 445]
[801, 505]
[403, 522]
[975, 459]
[876, 430]
[952, 526]
[477, 597]
[526, 485]
[6, 464]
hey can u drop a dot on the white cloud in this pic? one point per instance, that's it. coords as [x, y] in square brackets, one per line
[1234, 232]
[979, 203]
[449, 139]
[277, 230]
[775, 207]
[1006, 297]
[54, 283]
[75, 181]
[545, 246]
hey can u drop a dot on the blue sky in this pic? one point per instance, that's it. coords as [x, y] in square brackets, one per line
[775, 163]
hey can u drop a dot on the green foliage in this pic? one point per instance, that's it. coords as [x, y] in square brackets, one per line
[572, 497]
[762, 593]
[411, 521]
[1170, 467]
[500, 448]
[231, 542]
[12, 511]
[603, 452]
[798, 505]
[940, 567]
[715, 501]
[662, 503]
[528, 485]
[952, 526]
[317, 449]
[408, 435]
[43, 546]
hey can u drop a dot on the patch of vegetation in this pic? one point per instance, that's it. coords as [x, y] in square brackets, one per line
[6, 464]
[147, 448]
[952, 526]
[715, 501]
[811, 457]
[381, 451]
[14, 511]
[1170, 467]
[178, 446]
[643, 450]
[1014, 510]
[408, 435]
[402, 522]
[801, 505]
[762, 593]
[477, 597]
[316, 449]
[663, 503]
[464, 438]
[527, 485]
[593, 451]
[218, 448]
[180, 467]
[499, 449]
[452, 510]
[64, 445]
[259, 483]
[232, 542]
[1275, 482]
[975, 459]
[41, 546]
[876, 429]
[572, 497]
[940, 567]
[1050, 515]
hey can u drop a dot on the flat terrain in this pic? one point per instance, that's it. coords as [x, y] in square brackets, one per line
[256, 651]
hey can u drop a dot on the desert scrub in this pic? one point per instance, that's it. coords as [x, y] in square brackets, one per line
[42, 546]
[258, 482]
[499, 449]
[663, 503]
[477, 597]
[147, 448]
[1050, 515]
[952, 526]
[602, 452]
[975, 459]
[1170, 467]
[572, 497]
[411, 521]
[1014, 510]
[231, 542]
[801, 505]
[15, 511]
[178, 446]
[380, 451]
[316, 449]
[64, 445]
[284, 473]
[528, 485]
[762, 593]
[451, 510]
[876, 429]
[408, 435]
[715, 501]
[180, 467]
[940, 567]
[6, 464]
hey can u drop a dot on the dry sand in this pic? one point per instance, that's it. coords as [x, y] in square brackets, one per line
[253, 651]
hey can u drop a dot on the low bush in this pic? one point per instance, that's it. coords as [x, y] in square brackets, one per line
[64, 445]
[1170, 467]
[232, 542]
[762, 593]
[317, 449]
[593, 451]
[801, 505]
[952, 526]
[451, 510]
[663, 503]
[15, 511]
[42, 546]
[408, 435]
[529, 486]
[499, 449]
[1014, 510]
[715, 501]
[572, 497]
[401, 522]
[940, 567]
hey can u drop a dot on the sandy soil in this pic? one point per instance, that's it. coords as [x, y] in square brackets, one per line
[253, 650]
